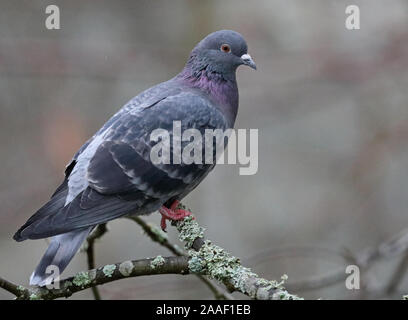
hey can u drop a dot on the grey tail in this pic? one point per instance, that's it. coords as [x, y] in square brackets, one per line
[61, 250]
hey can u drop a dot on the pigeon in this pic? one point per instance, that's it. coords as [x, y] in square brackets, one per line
[112, 174]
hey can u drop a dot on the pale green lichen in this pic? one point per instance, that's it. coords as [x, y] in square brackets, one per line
[126, 268]
[279, 291]
[157, 262]
[21, 288]
[82, 279]
[284, 278]
[284, 295]
[196, 264]
[108, 270]
[33, 296]
[405, 297]
[272, 284]
[218, 264]
[189, 230]
[160, 235]
[67, 284]
[215, 262]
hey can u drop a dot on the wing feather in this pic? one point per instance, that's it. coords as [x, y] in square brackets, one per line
[120, 178]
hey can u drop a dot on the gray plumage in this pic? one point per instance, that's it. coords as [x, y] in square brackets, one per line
[112, 174]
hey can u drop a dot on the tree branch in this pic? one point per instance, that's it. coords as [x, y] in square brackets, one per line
[157, 235]
[395, 246]
[12, 288]
[95, 277]
[215, 262]
[398, 275]
[90, 253]
[203, 258]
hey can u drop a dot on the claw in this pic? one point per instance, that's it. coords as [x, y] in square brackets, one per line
[172, 214]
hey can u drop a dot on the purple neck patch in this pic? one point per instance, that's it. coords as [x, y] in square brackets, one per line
[223, 92]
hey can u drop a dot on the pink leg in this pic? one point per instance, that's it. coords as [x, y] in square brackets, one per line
[172, 214]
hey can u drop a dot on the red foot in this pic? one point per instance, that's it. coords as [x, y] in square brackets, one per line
[172, 214]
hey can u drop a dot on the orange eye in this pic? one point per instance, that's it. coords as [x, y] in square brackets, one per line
[225, 48]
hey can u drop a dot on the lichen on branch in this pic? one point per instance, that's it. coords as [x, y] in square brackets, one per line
[212, 260]
[202, 258]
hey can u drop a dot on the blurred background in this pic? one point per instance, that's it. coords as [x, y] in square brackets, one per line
[331, 106]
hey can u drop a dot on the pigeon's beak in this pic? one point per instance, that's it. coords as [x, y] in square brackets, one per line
[247, 60]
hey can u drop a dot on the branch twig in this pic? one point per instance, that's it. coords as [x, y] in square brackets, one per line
[90, 253]
[392, 247]
[398, 275]
[11, 287]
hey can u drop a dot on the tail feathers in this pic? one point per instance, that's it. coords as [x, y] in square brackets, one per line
[89, 208]
[60, 252]
[51, 208]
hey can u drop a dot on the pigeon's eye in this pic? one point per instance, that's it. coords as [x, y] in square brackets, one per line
[225, 48]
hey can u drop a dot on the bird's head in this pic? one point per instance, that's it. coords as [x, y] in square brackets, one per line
[220, 52]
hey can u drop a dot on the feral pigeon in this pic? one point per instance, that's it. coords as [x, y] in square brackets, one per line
[112, 174]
